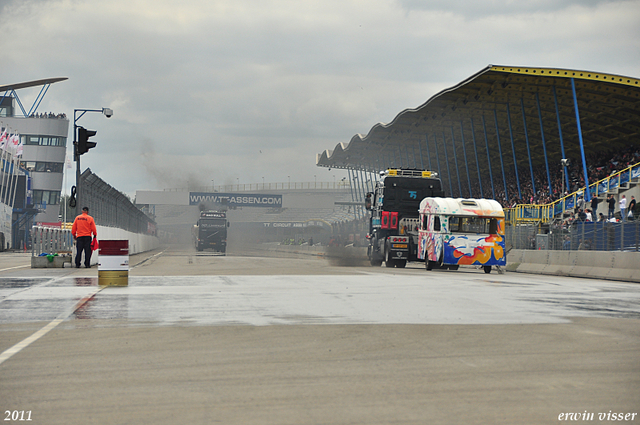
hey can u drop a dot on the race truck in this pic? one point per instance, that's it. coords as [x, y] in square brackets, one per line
[393, 226]
[211, 231]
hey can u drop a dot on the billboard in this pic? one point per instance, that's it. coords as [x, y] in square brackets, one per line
[236, 199]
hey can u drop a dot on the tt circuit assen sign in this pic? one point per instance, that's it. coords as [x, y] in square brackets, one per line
[236, 199]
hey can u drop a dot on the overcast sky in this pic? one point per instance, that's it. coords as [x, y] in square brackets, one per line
[237, 90]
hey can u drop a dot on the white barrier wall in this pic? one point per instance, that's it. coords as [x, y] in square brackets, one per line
[614, 265]
[137, 242]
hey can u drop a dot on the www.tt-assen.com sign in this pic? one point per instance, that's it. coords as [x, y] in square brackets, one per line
[236, 199]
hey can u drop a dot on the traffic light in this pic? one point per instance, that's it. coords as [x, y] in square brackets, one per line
[83, 140]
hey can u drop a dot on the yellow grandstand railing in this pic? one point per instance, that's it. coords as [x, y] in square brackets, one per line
[527, 213]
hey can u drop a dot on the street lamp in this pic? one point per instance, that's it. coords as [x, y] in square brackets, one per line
[86, 145]
[565, 164]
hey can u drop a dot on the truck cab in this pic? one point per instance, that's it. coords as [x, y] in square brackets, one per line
[211, 231]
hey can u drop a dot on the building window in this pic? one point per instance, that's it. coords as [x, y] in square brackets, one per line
[43, 167]
[43, 140]
[49, 197]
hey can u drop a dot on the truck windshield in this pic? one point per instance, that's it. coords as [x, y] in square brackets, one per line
[404, 194]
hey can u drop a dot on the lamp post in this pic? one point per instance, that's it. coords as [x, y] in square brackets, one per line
[564, 162]
[76, 152]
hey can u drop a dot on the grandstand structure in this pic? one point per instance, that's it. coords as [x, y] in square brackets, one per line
[502, 134]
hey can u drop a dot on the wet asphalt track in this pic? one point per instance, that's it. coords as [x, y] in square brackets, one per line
[341, 295]
[199, 338]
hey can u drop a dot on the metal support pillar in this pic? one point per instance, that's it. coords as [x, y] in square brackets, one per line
[435, 139]
[504, 179]
[426, 137]
[587, 195]
[513, 149]
[455, 159]
[526, 138]
[446, 158]
[475, 150]
[544, 145]
[466, 162]
[406, 151]
[486, 141]
[566, 175]
[353, 197]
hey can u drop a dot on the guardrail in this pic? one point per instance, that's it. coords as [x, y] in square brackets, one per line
[50, 240]
[546, 213]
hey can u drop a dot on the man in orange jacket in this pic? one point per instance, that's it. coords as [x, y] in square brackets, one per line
[82, 229]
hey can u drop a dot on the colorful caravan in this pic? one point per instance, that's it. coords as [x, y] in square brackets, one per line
[454, 232]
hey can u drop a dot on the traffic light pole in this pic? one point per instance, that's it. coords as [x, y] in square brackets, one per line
[108, 113]
[77, 159]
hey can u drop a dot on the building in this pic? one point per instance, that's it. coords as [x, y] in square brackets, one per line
[44, 136]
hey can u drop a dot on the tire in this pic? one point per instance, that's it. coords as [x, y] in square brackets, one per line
[373, 258]
[388, 262]
[487, 269]
[430, 265]
[401, 264]
[454, 267]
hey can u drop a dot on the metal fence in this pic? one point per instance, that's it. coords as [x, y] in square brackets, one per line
[598, 236]
[111, 208]
[49, 240]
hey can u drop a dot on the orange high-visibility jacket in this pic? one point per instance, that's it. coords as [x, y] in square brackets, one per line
[84, 225]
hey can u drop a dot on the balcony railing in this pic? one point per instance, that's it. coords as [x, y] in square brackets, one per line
[545, 213]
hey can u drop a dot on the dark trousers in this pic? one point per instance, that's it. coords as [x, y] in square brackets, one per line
[83, 243]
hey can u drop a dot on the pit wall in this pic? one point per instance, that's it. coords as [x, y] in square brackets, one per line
[624, 266]
[137, 242]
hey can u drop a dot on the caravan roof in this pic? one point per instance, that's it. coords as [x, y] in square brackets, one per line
[461, 207]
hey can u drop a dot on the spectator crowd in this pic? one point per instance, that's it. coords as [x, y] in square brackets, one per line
[599, 167]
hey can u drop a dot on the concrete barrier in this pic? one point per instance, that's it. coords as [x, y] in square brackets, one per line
[137, 242]
[56, 262]
[623, 266]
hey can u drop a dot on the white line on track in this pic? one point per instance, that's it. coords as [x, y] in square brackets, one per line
[16, 267]
[7, 354]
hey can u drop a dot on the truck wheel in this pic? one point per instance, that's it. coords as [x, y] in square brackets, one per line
[487, 269]
[401, 264]
[388, 261]
[375, 263]
[430, 265]
[454, 267]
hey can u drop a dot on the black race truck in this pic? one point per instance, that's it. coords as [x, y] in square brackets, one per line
[393, 226]
[211, 231]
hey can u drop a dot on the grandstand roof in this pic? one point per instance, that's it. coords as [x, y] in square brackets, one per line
[33, 83]
[502, 101]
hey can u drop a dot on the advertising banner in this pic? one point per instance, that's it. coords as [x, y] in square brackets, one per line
[236, 199]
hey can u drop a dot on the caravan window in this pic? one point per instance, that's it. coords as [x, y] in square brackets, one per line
[469, 224]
